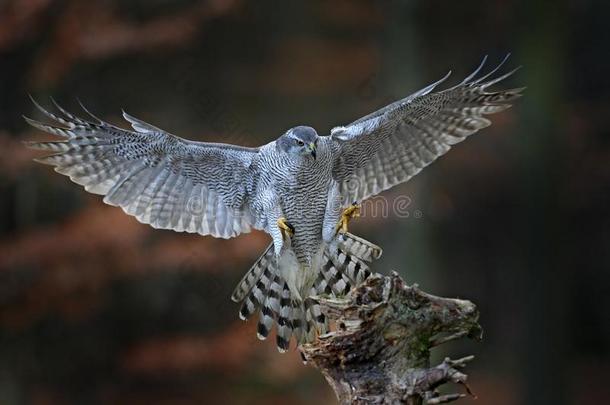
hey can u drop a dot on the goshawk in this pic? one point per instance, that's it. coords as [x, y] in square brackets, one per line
[300, 188]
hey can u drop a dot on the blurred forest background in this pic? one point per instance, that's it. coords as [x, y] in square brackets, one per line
[96, 308]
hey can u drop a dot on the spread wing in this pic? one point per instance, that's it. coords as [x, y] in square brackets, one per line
[161, 179]
[393, 144]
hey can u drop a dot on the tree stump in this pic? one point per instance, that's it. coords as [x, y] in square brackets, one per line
[379, 350]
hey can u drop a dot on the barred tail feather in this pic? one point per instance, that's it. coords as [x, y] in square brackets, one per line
[264, 290]
[346, 265]
[252, 276]
[270, 309]
[319, 319]
[301, 326]
[359, 247]
[310, 326]
[332, 271]
[284, 320]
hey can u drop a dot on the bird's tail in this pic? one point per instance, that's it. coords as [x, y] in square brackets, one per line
[263, 289]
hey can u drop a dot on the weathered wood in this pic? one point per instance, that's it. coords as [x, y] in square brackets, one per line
[379, 352]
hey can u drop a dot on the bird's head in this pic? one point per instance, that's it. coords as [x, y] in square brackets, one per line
[301, 141]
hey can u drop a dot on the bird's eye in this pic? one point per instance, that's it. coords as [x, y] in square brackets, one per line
[299, 142]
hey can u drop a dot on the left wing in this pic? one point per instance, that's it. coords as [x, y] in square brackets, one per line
[393, 144]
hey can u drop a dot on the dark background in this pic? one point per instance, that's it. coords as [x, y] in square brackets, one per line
[96, 308]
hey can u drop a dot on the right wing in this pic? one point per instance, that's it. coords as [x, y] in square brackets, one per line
[161, 179]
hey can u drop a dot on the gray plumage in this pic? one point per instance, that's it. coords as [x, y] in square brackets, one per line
[225, 190]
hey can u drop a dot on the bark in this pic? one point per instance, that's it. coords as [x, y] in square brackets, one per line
[379, 352]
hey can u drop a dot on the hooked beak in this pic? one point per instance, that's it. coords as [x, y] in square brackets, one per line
[312, 149]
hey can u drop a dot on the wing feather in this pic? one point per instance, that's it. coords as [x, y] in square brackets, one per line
[161, 179]
[391, 145]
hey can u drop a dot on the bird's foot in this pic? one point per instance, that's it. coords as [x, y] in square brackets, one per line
[285, 227]
[353, 211]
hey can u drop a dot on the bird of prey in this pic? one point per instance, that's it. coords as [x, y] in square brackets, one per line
[302, 188]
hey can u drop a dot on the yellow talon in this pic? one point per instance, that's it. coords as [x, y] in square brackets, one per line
[285, 227]
[353, 211]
